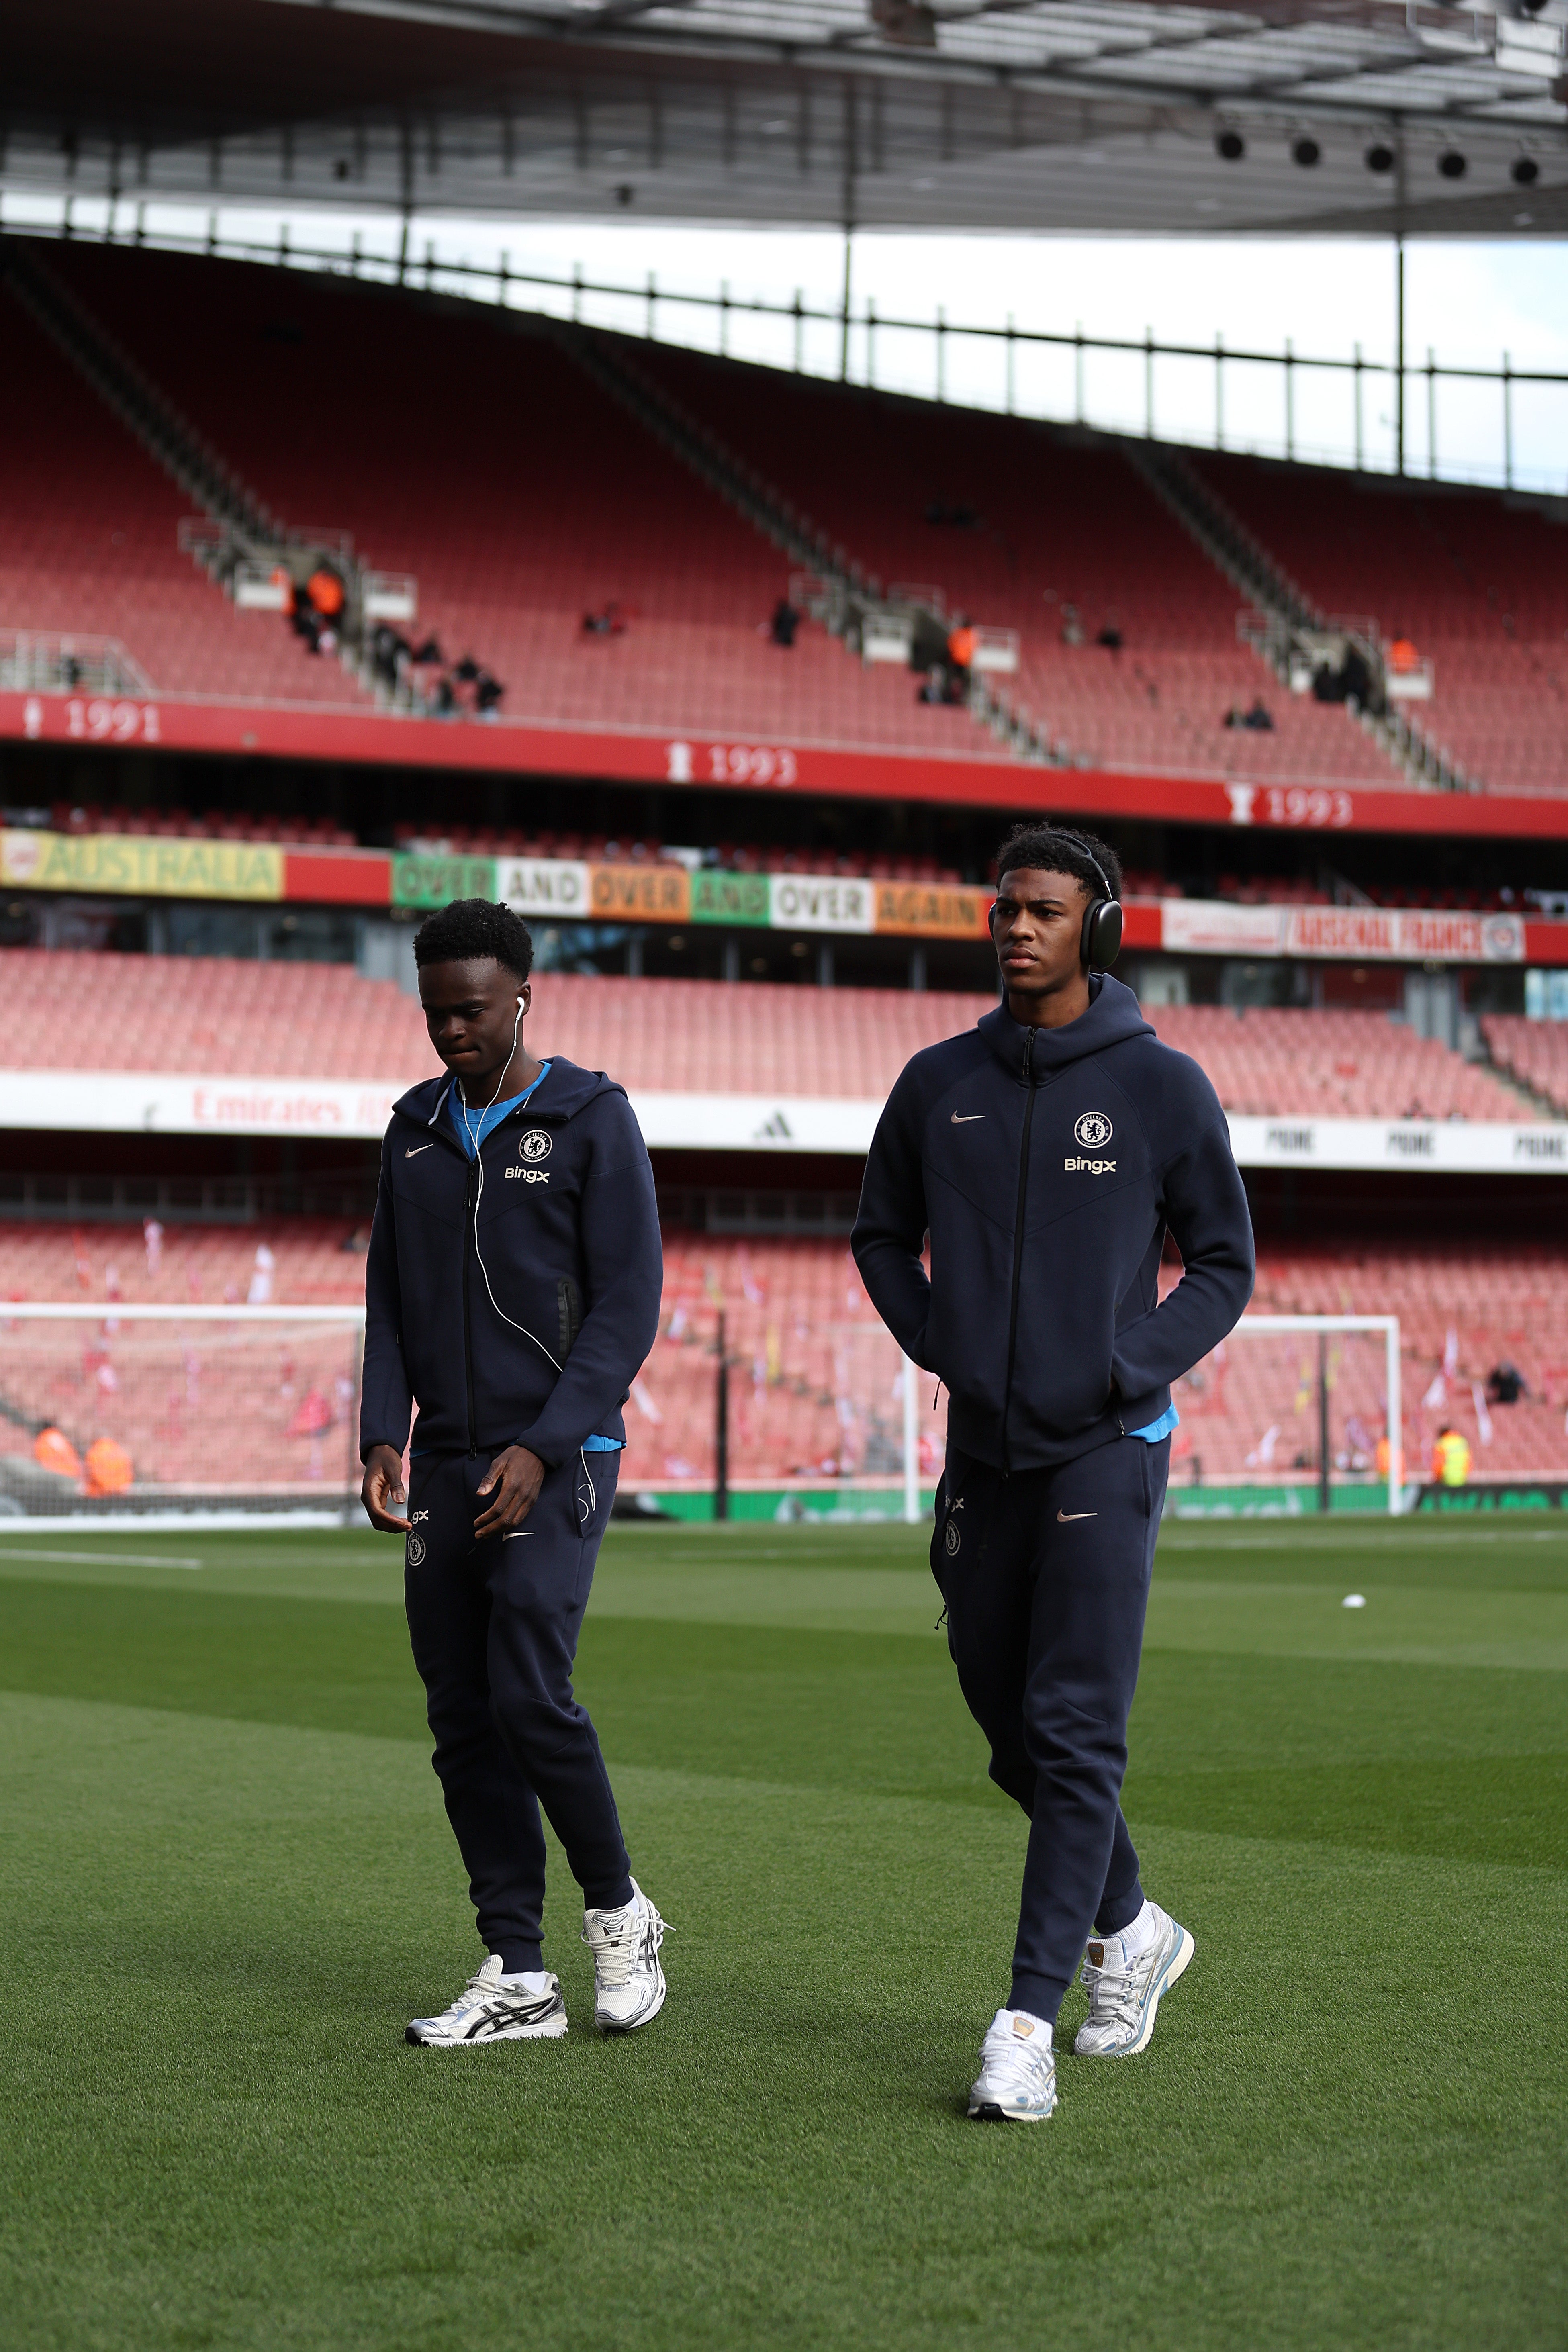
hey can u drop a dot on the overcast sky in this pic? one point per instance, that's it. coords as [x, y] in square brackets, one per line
[1468, 302]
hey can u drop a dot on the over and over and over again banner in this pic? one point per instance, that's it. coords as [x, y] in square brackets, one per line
[576, 890]
[582, 891]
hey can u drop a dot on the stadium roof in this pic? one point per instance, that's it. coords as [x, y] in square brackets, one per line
[1001, 114]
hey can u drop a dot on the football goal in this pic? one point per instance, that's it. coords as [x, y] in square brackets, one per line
[106, 1407]
[1293, 1412]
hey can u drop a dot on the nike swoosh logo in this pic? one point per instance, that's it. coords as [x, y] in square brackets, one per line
[966, 1117]
[1065, 1516]
[416, 1148]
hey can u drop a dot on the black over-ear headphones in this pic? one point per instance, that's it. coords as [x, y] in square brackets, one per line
[1100, 941]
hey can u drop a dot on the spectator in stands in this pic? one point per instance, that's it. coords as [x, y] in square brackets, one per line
[1057, 1355]
[960, 659]
[1110, 637]
[1402, 657]
[488, 692]
[1259, 718]
[515, 1335]
[390, 653]
[1072, 626]
[1505, 1384]
[786, 621]
[1451, 1458]
[610, 621]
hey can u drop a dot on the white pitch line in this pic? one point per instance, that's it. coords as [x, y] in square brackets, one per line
[94, 1559]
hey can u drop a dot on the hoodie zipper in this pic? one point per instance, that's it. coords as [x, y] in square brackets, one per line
[468, 1319]
[1028, 1075]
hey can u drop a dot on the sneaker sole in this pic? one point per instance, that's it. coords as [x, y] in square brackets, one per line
[549, 2028]
[988, 2112]
[634, 2024]
[1176, 1966]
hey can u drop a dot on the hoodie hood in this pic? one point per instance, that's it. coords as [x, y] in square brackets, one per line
[563, 1091]
[1112, 1017]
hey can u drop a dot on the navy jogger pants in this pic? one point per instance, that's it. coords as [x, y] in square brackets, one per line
[1045, 1577]
[494, 1628]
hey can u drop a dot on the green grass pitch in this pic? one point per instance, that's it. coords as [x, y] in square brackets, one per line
[227, 1881]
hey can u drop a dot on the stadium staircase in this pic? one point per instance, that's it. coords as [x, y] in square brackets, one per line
[135, 399]
[838, 589]
[240, 529]
[1292, 621]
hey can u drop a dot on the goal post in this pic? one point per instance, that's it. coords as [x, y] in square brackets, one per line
[1291, 1401]
[109, 1407]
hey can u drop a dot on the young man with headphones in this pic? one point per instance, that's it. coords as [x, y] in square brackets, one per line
[1045, 1155]
[512, 1294]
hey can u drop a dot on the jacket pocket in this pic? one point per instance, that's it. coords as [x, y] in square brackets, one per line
[569, 1313]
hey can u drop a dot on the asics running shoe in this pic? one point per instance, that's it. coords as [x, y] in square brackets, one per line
[629, 1982]
[1017, 2080]
[494, 2007]
[1125, 1991]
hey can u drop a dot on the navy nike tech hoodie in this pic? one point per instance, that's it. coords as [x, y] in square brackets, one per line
[1047, 1166]
[519, 1313]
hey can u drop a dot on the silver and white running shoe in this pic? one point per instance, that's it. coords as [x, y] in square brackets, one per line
[1017, 2081]
[629, 1982]
[491, 2009]
[1124, 1993]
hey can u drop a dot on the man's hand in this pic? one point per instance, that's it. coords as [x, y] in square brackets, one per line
[383, 1487]
[515, 1479]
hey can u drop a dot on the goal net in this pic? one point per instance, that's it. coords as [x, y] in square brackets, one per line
[1292, 1413]
[108, 1407]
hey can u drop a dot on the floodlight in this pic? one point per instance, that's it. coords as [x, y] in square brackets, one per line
[1306, 152]
[1231, 145]
[1379, 158]
[1452, 165]
[1524, 172]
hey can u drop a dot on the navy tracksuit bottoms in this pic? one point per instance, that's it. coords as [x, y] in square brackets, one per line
[1045, 1577]
[494, 1627]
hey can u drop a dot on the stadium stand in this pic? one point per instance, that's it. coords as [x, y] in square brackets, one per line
[91, 543]
[517, 495]
[1337, 1064]
[1059, 534]
[1533, 1052]
[1474, 581]
[207, 1015]
[813, 1374]
[1500, 1302]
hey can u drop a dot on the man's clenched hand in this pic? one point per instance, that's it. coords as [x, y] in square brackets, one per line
[383, 1487]
[515, 1478]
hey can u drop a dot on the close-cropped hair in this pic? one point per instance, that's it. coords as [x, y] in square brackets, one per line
[472, 928]
[1054, 850]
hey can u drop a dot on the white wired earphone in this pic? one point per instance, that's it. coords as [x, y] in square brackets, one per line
[476, 1138]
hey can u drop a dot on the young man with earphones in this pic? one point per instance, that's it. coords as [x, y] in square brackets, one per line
[511, 1293]
[1045, 1156]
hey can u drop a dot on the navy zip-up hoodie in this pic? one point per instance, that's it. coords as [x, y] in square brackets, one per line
[568, 1231]
[1046, 1165]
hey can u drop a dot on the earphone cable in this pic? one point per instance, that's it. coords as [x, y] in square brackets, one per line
[477, 1139]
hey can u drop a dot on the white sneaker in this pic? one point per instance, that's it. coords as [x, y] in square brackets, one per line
[494, 2007]
[1017, 2082]
[629, 1982]
[1124, 1992]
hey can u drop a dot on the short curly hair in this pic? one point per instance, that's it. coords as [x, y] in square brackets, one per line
[472, 929]
[1054, 849]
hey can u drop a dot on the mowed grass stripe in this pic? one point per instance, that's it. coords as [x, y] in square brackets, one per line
[1408, 1759]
